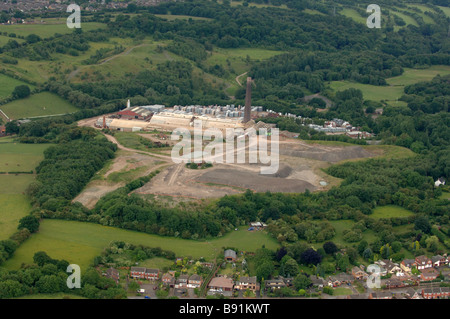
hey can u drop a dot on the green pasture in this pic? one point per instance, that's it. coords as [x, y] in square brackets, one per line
[413, 76]
[13, 208]
[18, 157]
[7, 85]
[370, 92]
[172, 17]
[41, 104]
[445, 195]
[390, 211]
[47, 30]
[446, 10]
[353, 14]
[79, 242]
[15, 184]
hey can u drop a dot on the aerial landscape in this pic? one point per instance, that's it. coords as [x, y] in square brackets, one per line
[253, 151]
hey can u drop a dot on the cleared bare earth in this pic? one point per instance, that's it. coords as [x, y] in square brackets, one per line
[301, 167]
[124, 168]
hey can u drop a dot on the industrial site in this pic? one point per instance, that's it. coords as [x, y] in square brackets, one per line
[300, 163]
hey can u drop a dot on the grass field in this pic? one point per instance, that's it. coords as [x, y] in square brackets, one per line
[171, 17]
[40, 104]
[17, 157]
[342, 291]
[353, 14]
[370, 92]
[7, 85]
[13, 208]
[446, 10]
[47, 30]
[79, 242]
[15, 184]
[445, 195]
[394, 90]
[390, 211]
[412, 76]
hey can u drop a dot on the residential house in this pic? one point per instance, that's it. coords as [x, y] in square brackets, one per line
[339, 279]
[152, 274]
[168, 280]
[113, 274]
[221, 284]
[245, 283]
[182, 281]
[423, 262]
[138, 272]
[380, 295]
[230, 255]
[390, 267]
[436, 293]
[289, 281]
[438, 260]
[440, 181]
[413, 294]
[2, 130]
[429, 274]
[408, 264]
[194, 281]
[273, 284]
[359, 274]
[394, 283]
[317, 281]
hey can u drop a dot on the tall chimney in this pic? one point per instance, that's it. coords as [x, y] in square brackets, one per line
[248, 100]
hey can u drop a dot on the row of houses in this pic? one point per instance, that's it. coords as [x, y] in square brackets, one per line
[225, 285]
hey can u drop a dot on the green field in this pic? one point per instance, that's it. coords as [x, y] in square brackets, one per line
[390, 211]
[413, 76]
[446, 10]
[7, 85]
[172, 17]
[79, 242]
[47, 30]
[370, 92]
[14, 204]
[353, 14]
[18, 157]
[40, 104]
[445, 195]
[13, 208]
[394, 90]
[342, 291]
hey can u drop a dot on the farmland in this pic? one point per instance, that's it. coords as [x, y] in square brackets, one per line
[7, 85]
[394, 90]
[17, 157]
[79, 242]
[40, 104]
[46, 30]
[14, 203]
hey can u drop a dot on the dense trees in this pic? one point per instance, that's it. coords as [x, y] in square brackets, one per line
[49, 275]
[21, 91]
